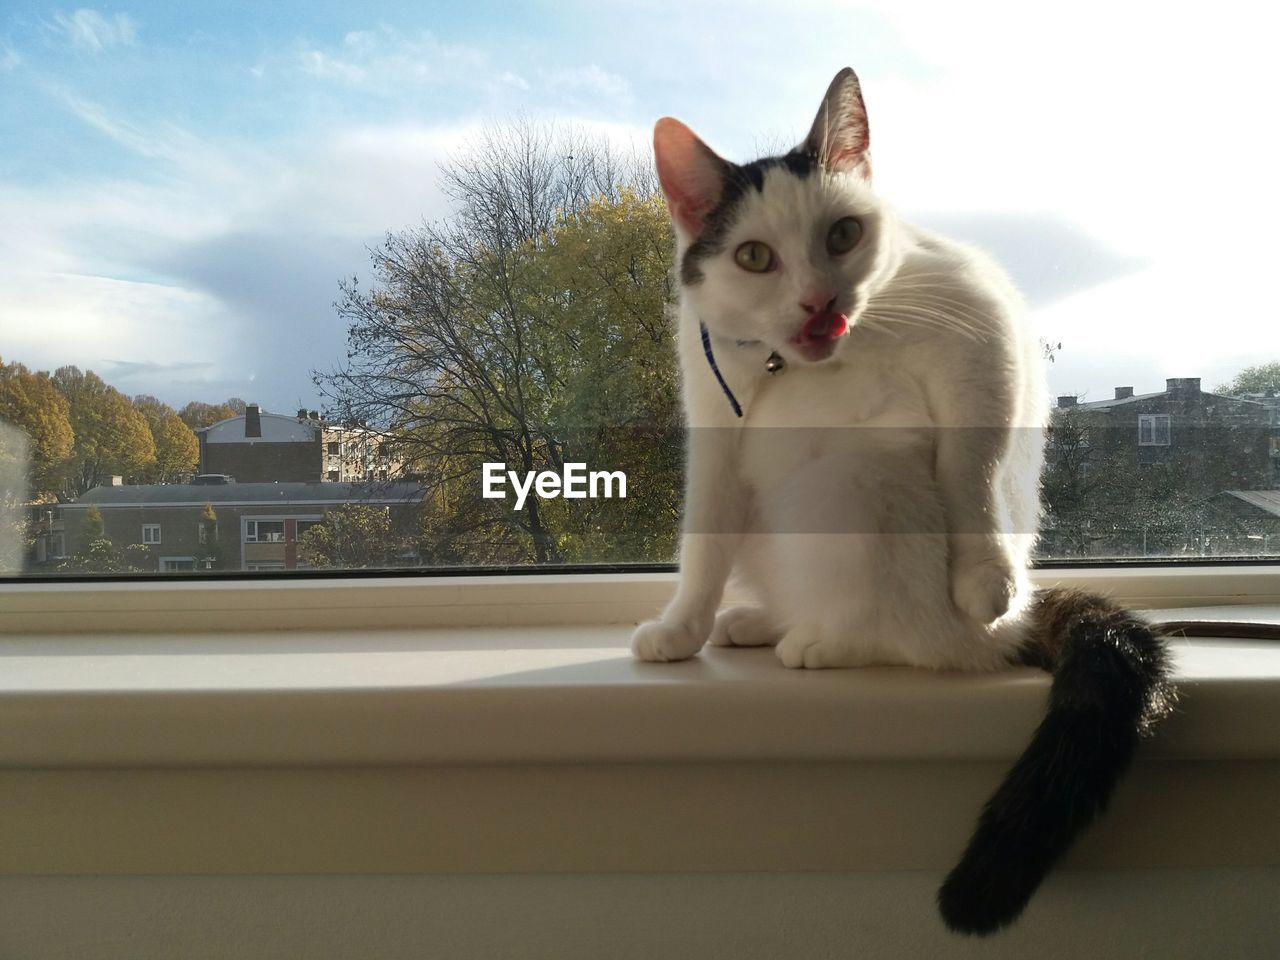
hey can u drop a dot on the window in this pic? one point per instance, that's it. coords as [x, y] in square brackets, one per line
[150, 533]
[264, 531]
[305, 525]
[1153, 430]
[483, 324]
[177, 564]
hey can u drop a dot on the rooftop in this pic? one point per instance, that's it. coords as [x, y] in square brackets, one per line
[231, 494]
[1268, 500]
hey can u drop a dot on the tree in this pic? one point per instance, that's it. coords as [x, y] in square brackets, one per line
[1256, 379]
[177, 447]
[210, 555]
[197, 415]
[91, 525]
[111, 436]
[527, 329]
[355, 536]
[1100, 500]
[32, 403]
[96, 553]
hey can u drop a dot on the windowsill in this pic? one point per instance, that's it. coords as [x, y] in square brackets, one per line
[550, 695]
[501, 746]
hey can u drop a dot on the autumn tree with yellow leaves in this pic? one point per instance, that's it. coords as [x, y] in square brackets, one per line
[529, 328]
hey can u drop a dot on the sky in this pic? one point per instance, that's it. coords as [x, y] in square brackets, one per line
[183, 186]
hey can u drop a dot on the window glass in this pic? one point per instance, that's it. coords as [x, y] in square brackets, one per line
[282, 279]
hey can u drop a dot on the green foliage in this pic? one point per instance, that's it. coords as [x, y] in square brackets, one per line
[1104, 498]
[102, 556]
[529, 329]
[96, 553]
[112, 437]
[1255, 379]
[177, 447]
[356, 536]
[211, 554]
[32, 402]
[91, 527]
[196, 414]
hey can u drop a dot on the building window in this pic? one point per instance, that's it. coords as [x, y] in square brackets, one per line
[264, 531]
[151, 534]
[333, 448]
[1153, 430]
[177, 564]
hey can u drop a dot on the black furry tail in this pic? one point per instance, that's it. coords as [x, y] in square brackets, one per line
[1111, 684]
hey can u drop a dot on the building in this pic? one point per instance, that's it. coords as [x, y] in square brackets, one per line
[48, 533]
[261, 447]
[354, 452]
[255, 526]
[1226, 441]
[1140, 475]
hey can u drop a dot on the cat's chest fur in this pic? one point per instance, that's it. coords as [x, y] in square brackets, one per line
[873, 384]
[865, 412]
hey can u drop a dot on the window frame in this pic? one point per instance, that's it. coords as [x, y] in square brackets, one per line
[247, 521]
[158, 541]
[414, 599]
[1154, 421]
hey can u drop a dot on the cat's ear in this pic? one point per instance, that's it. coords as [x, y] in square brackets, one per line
[840, 137]
[691, 173]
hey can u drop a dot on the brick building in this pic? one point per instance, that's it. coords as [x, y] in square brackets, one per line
[261, 447]
[1228, 441]
[355, 452]
[258, 447]
[1145, 475]
[257, 525]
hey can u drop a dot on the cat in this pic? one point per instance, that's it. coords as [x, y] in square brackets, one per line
[867, 405]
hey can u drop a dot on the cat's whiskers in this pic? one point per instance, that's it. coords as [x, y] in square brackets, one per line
[913, 307]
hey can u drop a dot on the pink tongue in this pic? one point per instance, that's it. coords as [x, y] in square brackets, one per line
[824, 326]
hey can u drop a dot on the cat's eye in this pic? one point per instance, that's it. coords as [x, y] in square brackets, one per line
[754, 256]
[843, 235]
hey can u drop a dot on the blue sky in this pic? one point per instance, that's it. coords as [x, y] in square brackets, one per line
[183, 185]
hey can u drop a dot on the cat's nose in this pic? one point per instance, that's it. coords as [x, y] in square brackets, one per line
[822, 301]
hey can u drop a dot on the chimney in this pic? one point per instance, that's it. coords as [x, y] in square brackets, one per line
[116, 481]
[1065, 402]
[252, 421]
[1123, 393]
[1182, 386]
[315, 414]
[302, 413]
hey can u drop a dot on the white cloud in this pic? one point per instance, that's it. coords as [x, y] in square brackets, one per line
[386, 61]
[590, 80]
[89, 30]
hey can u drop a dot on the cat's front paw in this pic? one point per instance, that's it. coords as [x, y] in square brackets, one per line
[660, 641]
[983, 587]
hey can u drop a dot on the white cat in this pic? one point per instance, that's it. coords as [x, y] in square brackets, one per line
[866, 405]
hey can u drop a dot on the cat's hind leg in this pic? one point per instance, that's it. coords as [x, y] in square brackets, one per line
[744, 627]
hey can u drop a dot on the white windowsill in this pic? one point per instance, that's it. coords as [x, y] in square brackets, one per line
[513, 742]
[569, 694]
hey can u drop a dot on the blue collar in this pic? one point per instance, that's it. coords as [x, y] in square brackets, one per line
[711, 359]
